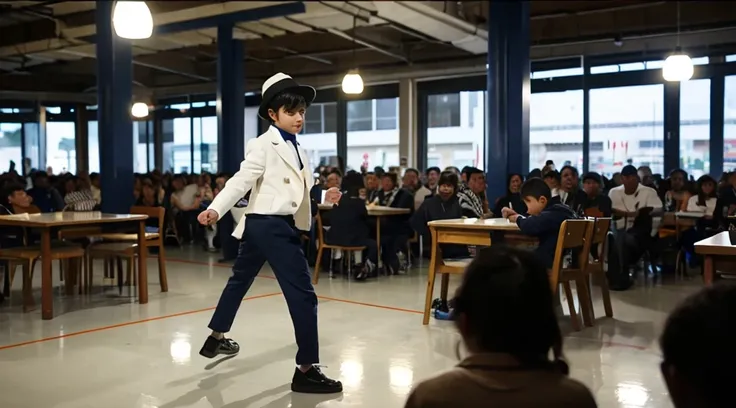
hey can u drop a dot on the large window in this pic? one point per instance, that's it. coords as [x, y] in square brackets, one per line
[373, 133]
[33, 144]
[61, 150]
[10, 145]
[626, 127]
[319, 136]
[177, 135]
[205, 144]
[729, 122]
[556, 129]
[142, 146]
[93, 147]
[695, 127]
[455, 131]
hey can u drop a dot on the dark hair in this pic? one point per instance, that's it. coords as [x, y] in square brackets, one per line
[681, 171]
[449, 178]
[411, 170]
[352, 183]
[549, 162]
[431, 169]
[469, 171]
[704, 322]
[94, 176]
[552, 174]
[370, 173]
[571, 168]
[507, 302]
[508, 181]
[39, 174]
[702, 197]
[335, 170]
[291, 102]
[535, 173]
[536, 188]
[391, 176]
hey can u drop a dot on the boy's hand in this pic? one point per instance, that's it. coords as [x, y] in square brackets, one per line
[513, 217]
[507, 212]
[332, 196]
[208, 217]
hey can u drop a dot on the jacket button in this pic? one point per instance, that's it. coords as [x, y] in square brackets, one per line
[293, 204]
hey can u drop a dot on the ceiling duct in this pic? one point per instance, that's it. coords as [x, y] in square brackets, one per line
[423, 17]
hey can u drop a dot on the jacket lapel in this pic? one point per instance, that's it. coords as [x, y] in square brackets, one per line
[283, 149]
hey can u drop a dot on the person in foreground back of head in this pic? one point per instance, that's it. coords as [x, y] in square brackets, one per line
[544, 217]
[697, 349]
[505, 315]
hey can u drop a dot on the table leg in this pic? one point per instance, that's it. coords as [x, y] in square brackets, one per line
[708, 270]
[142, 264]
[430, 280]
[47, 294]
[378, 241]
[444, 289]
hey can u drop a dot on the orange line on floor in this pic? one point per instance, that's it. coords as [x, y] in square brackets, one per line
[218, 264]
[115, 326]
[353, 302]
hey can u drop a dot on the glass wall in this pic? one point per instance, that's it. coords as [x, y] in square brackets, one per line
[177, 149]
[32, 143]
[695, 127]
[456, 129]
[61, 150]
[205, 144]
[319, 136]
[626, 127]
[729, 124]
[10, 146]
[373, 133]
[556, 129]
[93, 147]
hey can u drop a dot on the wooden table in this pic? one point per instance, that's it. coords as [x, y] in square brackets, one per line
[717, 251]
[377, 211]
[466, 231]
[46, 221]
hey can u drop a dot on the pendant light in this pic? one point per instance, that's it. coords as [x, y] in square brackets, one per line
[139, 110]
[352, 83]
[132, 20]
[678, 67]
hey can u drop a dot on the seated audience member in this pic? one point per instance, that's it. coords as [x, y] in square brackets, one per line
[676, 198]
[505, 316]
[46, 197]
[465, 174]
[77, 195]
[433, 176]
[594, 198]
[726, 205]
[454, 170]
[512, 199]
[704, 202]
[442, 206]
[570, 193]
[544, 219]
[204, 182]
[220, 181]
[534, 173]
[395, 230]
[704, 322]
[412, 184]
[94, 181]
[637, 211]
[185, 205]
[372, 187]
[472, 194]
[552, 179]
[646, 176]
[350, 226]
[17, 200]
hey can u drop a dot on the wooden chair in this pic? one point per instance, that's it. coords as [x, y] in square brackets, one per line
[26, 257]
[574, 234]
[124, 245]
[322, 245]
[595, 266]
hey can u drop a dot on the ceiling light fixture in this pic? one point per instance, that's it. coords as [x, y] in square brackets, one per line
[139, 110]
[678, 67]
[352, 83]
[132, 20]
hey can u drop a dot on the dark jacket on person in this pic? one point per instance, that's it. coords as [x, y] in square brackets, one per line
[349, 223]
[546, 227]
[576, 200]
[47, 199]
[510, 200]
[601, 202]
[396, 224]
[432, 209]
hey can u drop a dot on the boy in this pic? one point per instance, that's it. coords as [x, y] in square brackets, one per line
[276, 173]
[544, 219]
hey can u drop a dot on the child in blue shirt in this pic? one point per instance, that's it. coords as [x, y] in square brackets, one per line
[544, 217]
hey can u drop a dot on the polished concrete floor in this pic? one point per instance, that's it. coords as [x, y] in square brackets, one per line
[106, 350]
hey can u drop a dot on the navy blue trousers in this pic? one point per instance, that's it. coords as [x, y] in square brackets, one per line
[273, 239]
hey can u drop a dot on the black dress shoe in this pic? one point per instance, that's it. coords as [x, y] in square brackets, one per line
[213, 347]
[314, 382]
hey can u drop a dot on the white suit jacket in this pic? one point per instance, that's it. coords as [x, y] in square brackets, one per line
[271, 173]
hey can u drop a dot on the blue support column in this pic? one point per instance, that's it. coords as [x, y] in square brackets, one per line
[115, 128]
[509, 94]
[230, 100]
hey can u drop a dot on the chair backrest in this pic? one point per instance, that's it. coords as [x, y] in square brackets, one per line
[157, 213]
[601, 229]
[573, 234]
[320, 230]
